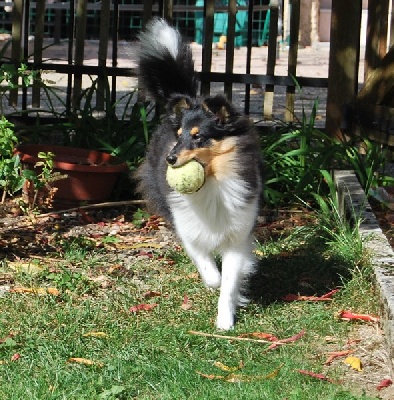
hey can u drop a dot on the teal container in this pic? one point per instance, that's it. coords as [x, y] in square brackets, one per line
[220, 24]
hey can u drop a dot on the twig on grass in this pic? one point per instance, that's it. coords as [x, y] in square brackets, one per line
[95, 205]
[243, 339]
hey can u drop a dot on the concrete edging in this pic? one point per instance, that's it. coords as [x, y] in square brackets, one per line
[353, 202]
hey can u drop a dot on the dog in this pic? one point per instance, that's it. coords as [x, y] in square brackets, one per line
[219, 218]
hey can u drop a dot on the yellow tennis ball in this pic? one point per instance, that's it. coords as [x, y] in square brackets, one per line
[187, 178]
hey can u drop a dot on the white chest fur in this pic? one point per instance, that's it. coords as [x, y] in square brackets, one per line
[215, 216]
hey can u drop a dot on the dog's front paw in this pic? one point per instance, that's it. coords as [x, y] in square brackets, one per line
[225, 321]
[212, 280]
[211, 276]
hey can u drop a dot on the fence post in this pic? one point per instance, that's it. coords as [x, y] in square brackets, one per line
[377, 28]
[102, 80]
[209, 11]
[271, 59]
[38, 43]
[80, 32]
[16, 41]
[343, 64]
[293, 55]
[232, 11]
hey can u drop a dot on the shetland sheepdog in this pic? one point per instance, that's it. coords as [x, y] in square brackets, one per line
[219, 218]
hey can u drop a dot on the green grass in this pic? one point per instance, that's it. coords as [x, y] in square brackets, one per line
[152, 355]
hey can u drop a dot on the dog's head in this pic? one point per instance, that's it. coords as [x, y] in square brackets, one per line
[204, 131]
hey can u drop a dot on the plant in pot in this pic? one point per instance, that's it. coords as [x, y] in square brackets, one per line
[98, 147]
[87, 175]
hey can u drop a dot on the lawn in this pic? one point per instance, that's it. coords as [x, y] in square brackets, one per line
[124, 303]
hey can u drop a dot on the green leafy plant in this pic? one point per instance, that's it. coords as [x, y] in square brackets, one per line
[11, 180]
[40, 190]
[140, 217]
[66, 280]
[13, 77]
[295, 156]
[299, 159]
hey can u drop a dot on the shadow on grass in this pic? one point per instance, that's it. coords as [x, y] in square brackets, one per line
[307, 271]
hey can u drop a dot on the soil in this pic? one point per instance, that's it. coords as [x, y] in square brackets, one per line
[27, 237]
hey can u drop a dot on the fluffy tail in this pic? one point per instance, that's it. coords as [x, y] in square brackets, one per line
[166, 65]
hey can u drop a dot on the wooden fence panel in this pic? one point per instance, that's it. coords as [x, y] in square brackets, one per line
[75, 66]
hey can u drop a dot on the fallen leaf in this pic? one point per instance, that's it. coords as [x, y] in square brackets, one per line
[150, 294]
[353, 362]
[237, 378]
[15, 357]
[384, 383]
[224, 367]
[40, 291]
[95, 334]
[329, 294]
[348, 315]
[294, 297]
[84, 361]
[287, 340]
[314, 375]
[260, 335]
[274, 373]
[142, 307]
[114, 268]
[186, 304]
[210, 376]
[335, 354]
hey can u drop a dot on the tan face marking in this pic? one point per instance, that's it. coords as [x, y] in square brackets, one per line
[179, 132]
[217, 159]
[194, 130]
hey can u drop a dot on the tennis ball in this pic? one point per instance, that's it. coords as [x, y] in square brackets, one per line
[187, 178]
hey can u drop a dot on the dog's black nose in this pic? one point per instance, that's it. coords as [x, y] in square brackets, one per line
[171, 159]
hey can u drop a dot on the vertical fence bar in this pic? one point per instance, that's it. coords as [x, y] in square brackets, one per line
[102, 79]
[115, 30]
[168, 10]
[249, 55]
[147, 12]
[25, 47]
[146, 16]
[271, 59]
[70, 51]
[232, 11]
[293, 54]
[209, 12]
[80, 33]
[38, 44]
[16, 43]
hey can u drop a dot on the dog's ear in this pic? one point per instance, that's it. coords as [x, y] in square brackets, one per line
[177, 105]
[221, 108]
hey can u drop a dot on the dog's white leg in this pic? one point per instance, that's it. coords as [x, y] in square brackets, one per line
[237, 263]
[205, 264]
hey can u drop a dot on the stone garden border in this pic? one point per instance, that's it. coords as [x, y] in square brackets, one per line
[354, 202]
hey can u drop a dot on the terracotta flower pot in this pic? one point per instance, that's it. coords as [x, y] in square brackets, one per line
[91, 175]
